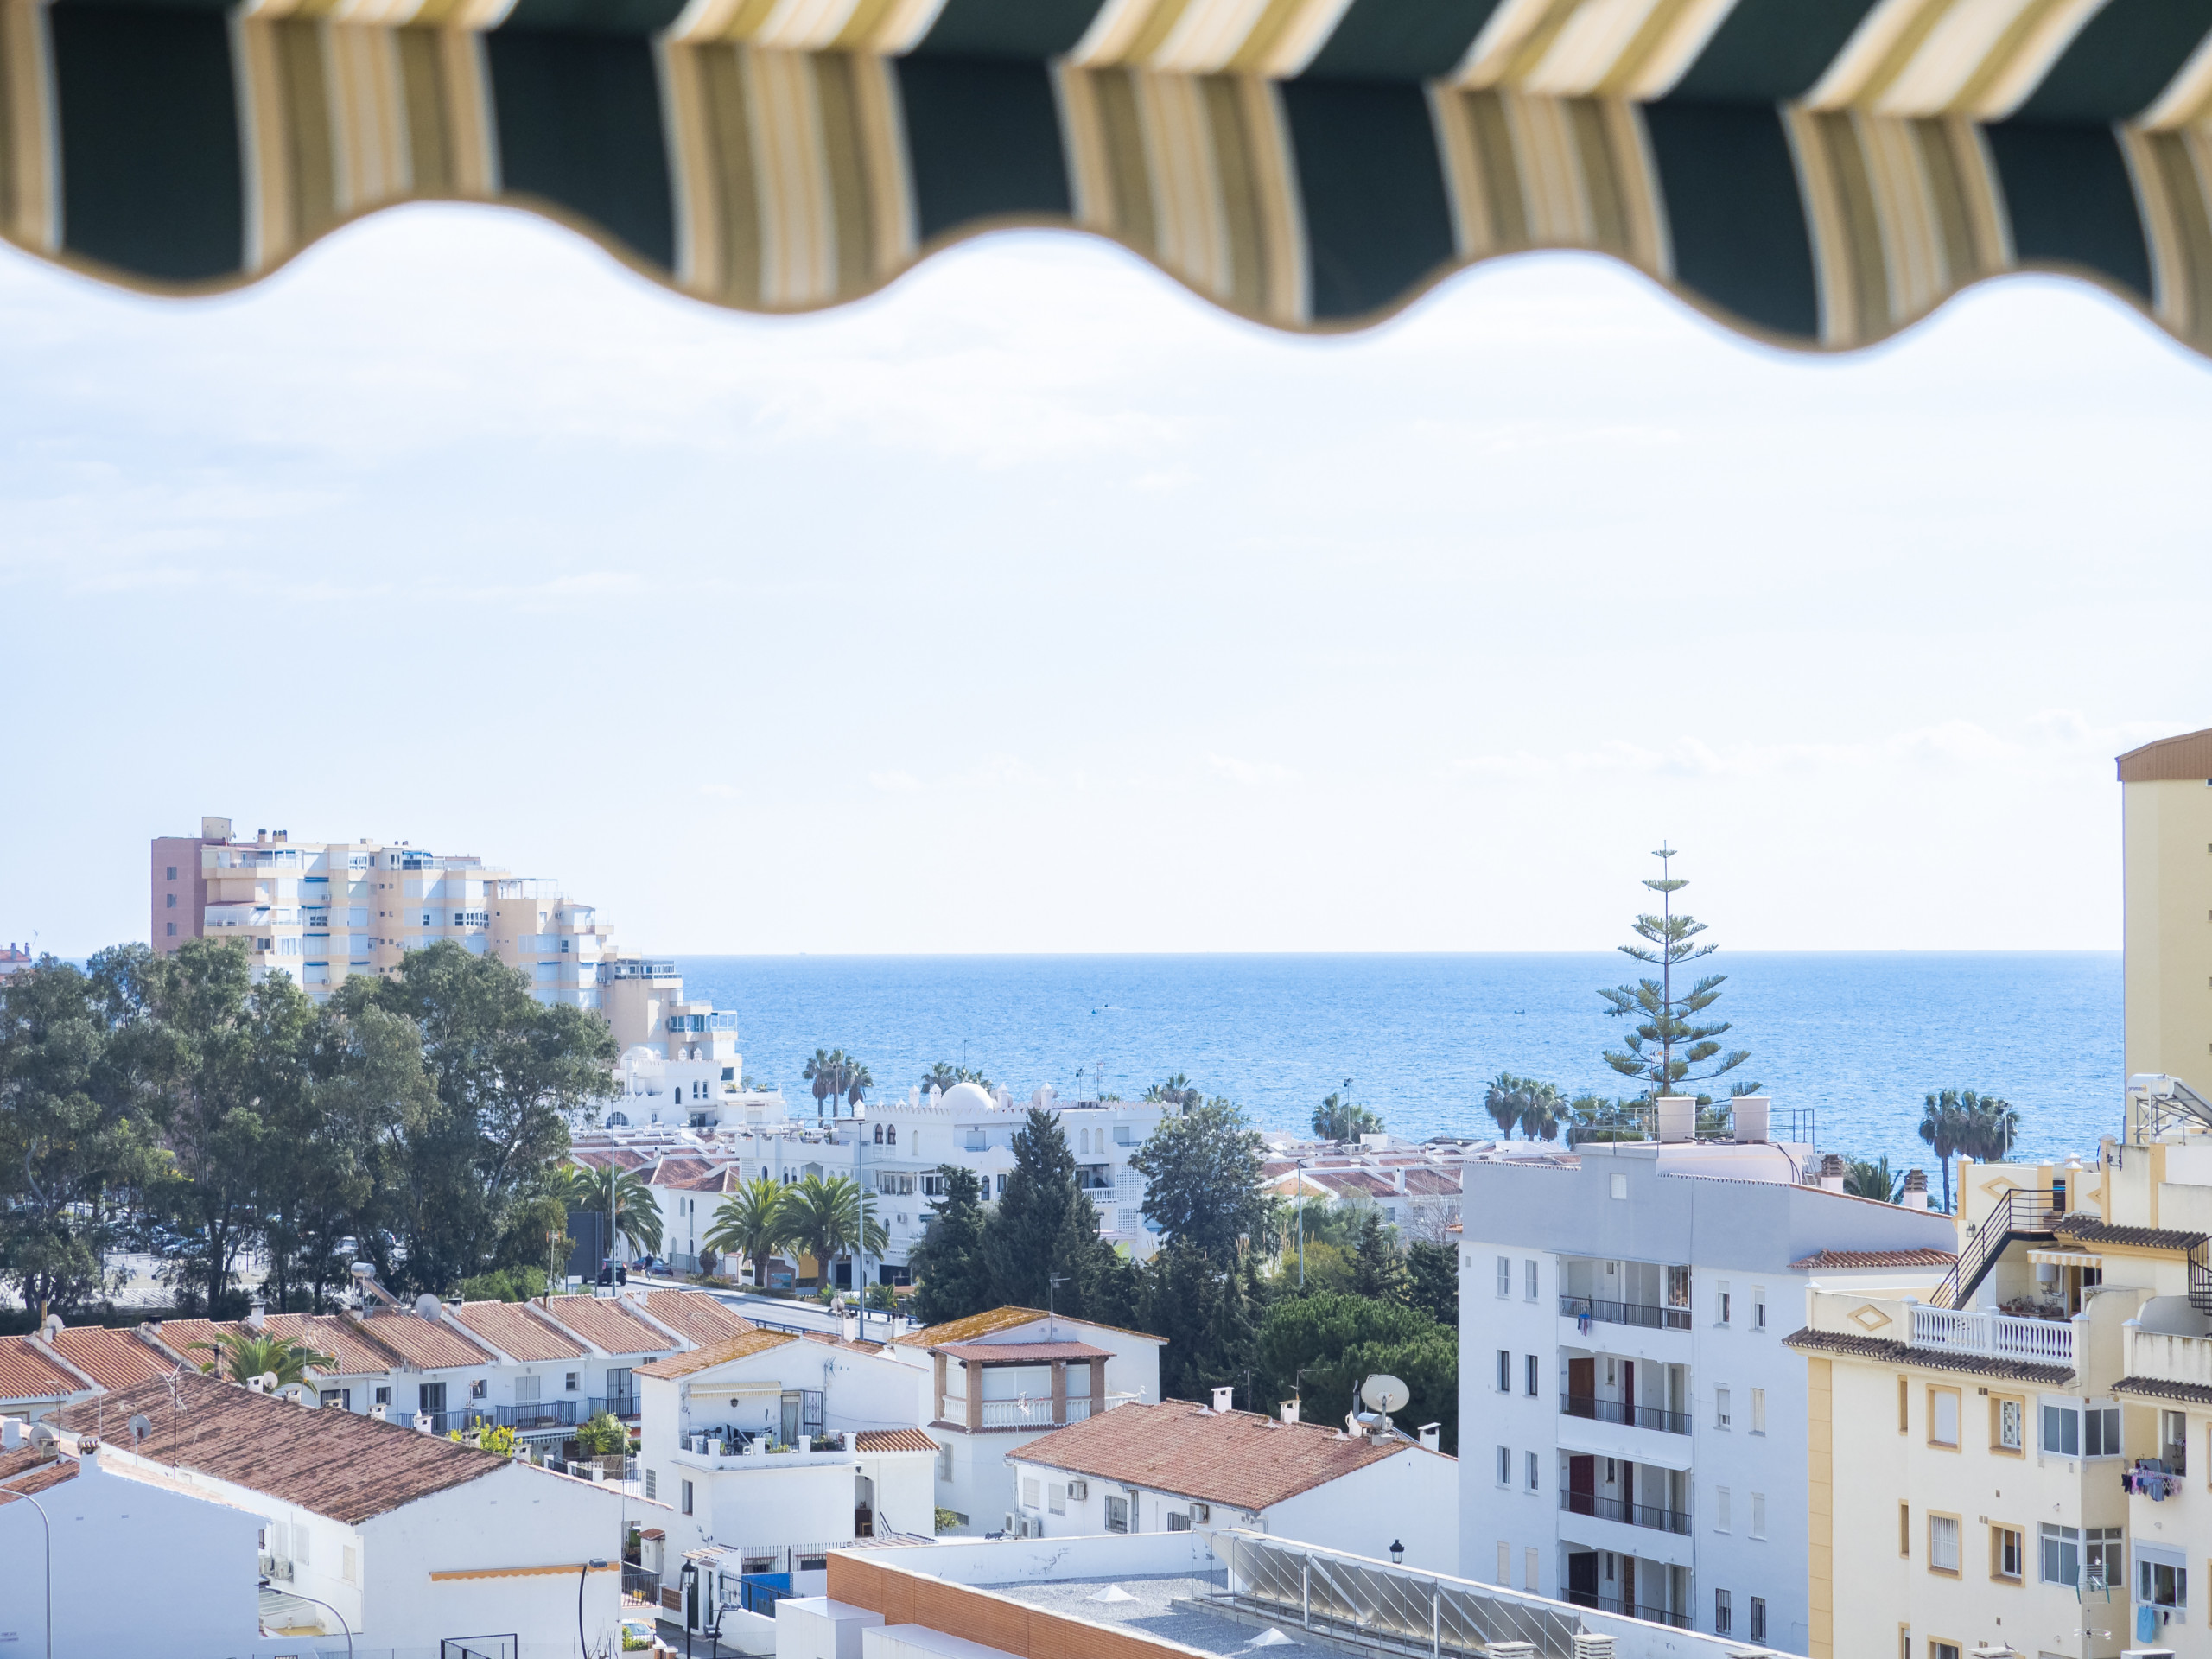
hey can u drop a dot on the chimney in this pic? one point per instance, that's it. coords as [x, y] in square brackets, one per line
[1832, 1174]
[11, 1433]
[50, 1329]
[423, 1422]
[1678, 1117]
[1432, 1436]
[1290, 1411]
[1750, 1116]
[381, 1412]
[257, 1315]
[1223, 1399]
[1916, 1189]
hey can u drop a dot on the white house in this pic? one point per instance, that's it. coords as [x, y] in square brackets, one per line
[190, 1554]
[1174, 1465]
[1633, 1429]
[1000, 1379]
[412, 1539]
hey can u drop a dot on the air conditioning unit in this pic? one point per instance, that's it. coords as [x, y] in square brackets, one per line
[1012, 1529]
[1078, 1490]
[1201, 1513]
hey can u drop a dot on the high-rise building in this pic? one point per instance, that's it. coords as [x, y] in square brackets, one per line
[2165, 804]
[323, 911]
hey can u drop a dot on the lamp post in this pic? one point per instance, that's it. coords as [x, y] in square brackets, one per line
[1397, 1554]
[860, 1156]
[582, 1573]
[48, 1527]
[327, 1608]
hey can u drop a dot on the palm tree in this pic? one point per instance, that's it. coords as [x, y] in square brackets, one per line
[1338, 1118]
[1942, 1126]
[1989, 1127]
[240, 1355]
[751, 1223]
[940, 1077]
[1507, 1099]
[1544, 1111]
[831, 1216]
[1873, 1180]
[858, 1082]
[623, 1193]
[826, 1072]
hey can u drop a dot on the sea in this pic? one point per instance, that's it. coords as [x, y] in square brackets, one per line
[1859, 1038]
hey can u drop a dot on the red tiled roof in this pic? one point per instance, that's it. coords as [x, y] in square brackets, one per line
[1832, 1259]
[1238, 1457]
[112, 1358]
[689, 1174]
[516, 1331]
[604, 1323]
[1431, 1183]
[699, 1359]
[696, 1316]
[975, 1324]
[27, 1374]
[431, 1344]
[336, 1462]
[1019, 1353]
[340, 1337]
[893, 1440]
[30, 1469]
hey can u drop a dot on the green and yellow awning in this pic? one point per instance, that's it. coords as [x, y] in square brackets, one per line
[1822, 172]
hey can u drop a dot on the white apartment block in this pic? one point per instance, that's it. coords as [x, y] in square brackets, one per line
[1632, 1425]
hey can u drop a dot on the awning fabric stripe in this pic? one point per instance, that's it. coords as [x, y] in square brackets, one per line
[1821, 173]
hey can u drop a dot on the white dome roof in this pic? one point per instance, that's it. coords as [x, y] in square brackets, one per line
[967, 1097]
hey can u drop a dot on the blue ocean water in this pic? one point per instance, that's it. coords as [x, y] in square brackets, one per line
[1861, 1037]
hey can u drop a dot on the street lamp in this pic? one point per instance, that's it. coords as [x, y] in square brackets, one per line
[327, 1608]
[860, 1154]
[48, 1526]
[1397, 1554]
[582, 1573]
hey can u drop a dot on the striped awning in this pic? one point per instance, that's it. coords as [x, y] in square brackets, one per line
[1819, 172]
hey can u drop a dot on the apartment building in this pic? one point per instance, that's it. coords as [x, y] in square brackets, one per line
[1632, 1425]
[2165, 805]
[2019, 1456]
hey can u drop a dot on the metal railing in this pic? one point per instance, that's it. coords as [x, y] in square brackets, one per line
[1658, 1519]
[547, 1414]
[619, 1405]
[1039, 1413]
[1619, 1411]
[640, 1587]
[1639, 1609]
[2000, 1336]
[1636, 1313]
[2023, 1210]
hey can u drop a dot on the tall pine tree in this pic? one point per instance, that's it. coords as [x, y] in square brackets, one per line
[952, 1280]
[1021, 1240]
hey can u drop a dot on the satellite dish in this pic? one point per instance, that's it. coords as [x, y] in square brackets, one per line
[1384, 1394]
[427, 1306]
[141, 1426]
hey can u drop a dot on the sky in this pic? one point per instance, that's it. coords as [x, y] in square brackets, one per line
[1033, 605]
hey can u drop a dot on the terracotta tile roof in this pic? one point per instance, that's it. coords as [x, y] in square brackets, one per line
[1432, 1183]
[334, 1334]
[2078, 1230]
[2158, 1388]
[699, 1359]
[30, 1472]
[517, 1333]
[1019, 1353]
[696, 1316]
[689, 1174]
[599, 1158]
[870, 1346]
[1831, 1261]
[1897, 1353]
[604, 1323]
[1238, 1457]
[432, 1345]
[27, 1374]
[975, 1324]
[336, 1462]
[893, 1440]
[112, 1358]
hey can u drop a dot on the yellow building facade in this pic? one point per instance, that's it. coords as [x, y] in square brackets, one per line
[2165, 791]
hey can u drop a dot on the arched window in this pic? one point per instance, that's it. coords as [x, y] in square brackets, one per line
[891, 1134]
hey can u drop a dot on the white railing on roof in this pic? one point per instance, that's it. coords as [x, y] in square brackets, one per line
[1999, 1336]
[1038, 1413]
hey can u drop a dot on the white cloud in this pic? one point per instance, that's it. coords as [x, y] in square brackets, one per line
[1249, 772]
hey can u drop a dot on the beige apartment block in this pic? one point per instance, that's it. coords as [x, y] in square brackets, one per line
[323, 911]
[2018, 1461]
[2165, 794]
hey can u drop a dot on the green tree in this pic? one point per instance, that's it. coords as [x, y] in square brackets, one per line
[1336, 1118]
[1178, 1092]
[1959, 1121]
[1031, 1216]
[1336, 1341]
[829, 1217]
[1543, 1110]
[1202, 1179]
[1376, 1269]
[504, 1285]
[1433, 1283]
[1873, 1180]
[1503, 1100]
[751, 1223]
[239, 1355]
[952, 1280]
[79, 1125]
[603, 1436]
[1593, 1117]
[1670, 1042]
[622, 1192]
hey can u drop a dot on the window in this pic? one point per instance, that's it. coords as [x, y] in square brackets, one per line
[172, 875]
[653, 1483]
[2062, 1555]
[1505, 1370]
[1757, 1631]
[687, 1497]
[2160, 1583]
[481, 1388]
[1533, 1478]
[1758, 1411]
[1720, 1509]
[383, 1396]
[1504, 1564]
[2062, 1433]
[2101, 1556]
[2173, 1441]
[1724, 1613]
[1032, 1492]
[341, 1398]
[1723, 1301]
[2010, 1430]
[1505, 1275]
[1504, 1466]
[1758, 1319]
[569, 1383]
[1904, 1394]
[1905, 1528]
[1758, 1515]
[2007, 1552]
[1056, 1499]
[1619, 1186]
[1943, 1417]
[1529, 1274]
[1530, 1574]
[1531, 1370]
[1939, 1649]
[944, 1463]
[1721, 1408]
[1117, 1515]
[172, 931]
[1177, 1522]
[1943, 1544]
[2101, 1432]
[169, 901]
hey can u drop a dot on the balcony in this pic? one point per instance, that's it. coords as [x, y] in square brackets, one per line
[1996, 1336]
[1038, 1413]
[1639, 1609]
[544, 1414]
[1642, 1315]
[2168, 1357]
[1635, 1514]
[1616, 1411]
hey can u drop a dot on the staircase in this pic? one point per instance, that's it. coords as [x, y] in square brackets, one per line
[2026, 1212]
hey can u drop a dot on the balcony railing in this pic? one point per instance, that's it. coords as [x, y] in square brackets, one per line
[1619, 1411]
[1034, 1414]
[545, 1413]
[620, 1405]
[1634, 1514]
[2000, 1336]
[1631, 1610]
[1638, 1314]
